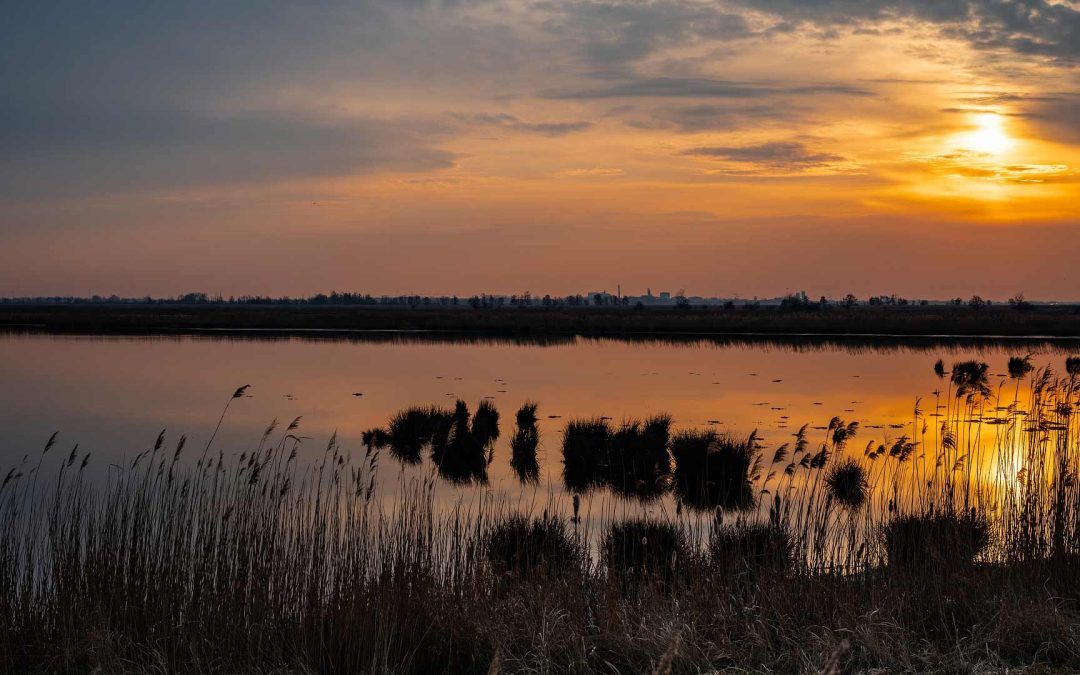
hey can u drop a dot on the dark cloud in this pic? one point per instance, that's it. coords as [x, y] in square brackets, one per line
[701, 87]
[711, 117]
[781, 156]
[611, 33]
[71, 152]
[1035, 27]
[512, 123]
[1056, 117]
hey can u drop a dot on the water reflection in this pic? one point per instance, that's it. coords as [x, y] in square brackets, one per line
[808, 342]
[113, 394]
[524, 444]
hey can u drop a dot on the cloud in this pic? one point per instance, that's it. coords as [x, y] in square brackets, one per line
[776, 157]
[984, 166]
[592, 172]
[1056, 117]
[65, 152]
[512, 123]
[712, 117]
[1034, 27]
[612, 33]
[702, 87]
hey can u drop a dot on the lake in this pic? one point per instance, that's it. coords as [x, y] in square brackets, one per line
[113, 395]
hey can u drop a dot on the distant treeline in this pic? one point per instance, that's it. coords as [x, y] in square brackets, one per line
[799, 300]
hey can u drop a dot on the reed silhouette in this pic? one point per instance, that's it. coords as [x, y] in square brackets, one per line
[944, 541]
[585, 451]
[715, 470]
[410, 432]
[643, 550]
[749, 548]
[638, 464]
[961, 556]
[847, 483]
[462, 456]
[528, 547]
[523, 445]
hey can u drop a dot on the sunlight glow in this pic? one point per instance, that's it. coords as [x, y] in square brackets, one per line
[989, 136]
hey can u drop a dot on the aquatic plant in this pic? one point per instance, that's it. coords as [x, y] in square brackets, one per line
[526, 415]
[644, 549]
[750, 546]
[527, 547]
[638, 463]
[715, 470]
[847, 483]
[935, 541]
[1019, 367]
[413, 429]
[585, 451]
[485, 423]
[462, 457]
[970, 379]
[523, 459]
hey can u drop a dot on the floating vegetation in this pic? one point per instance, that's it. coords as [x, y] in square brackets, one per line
[485, 423]
[523, 445]
[638, 463]
[958, 538]
[526, 415]
[715, 470]
[462, 457]
[585, 450]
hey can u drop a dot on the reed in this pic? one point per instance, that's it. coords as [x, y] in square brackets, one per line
[951, 547]
[585, 453]
[525, 547]
[715, 470]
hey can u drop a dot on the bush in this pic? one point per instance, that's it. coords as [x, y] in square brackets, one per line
[713, 470]
[645, 549]
[936, 541]
[751, 547]
[585, 448]
[521, 546]
[638, 461]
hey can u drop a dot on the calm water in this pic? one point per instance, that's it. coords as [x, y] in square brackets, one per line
[113, 395]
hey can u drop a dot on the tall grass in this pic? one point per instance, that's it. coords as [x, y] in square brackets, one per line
[949, 547]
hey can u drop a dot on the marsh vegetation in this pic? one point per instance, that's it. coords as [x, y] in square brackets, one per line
[951, 546]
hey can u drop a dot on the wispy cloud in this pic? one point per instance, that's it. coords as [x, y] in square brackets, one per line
[511, 123]
[787, 157]
[702, 87]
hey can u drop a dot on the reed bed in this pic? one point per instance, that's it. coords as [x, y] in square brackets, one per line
[951, 547]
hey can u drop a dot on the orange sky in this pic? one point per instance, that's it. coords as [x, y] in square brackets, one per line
[741, 148]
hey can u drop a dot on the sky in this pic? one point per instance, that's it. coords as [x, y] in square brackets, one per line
[741, 148]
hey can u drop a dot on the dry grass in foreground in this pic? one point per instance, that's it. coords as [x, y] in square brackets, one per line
[257, 563]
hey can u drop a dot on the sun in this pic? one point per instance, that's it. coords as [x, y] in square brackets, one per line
[989, 136]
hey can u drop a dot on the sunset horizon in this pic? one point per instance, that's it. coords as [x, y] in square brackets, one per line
[738, 148]
[573, 337]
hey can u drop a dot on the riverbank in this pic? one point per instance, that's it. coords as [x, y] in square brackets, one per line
[937, 320]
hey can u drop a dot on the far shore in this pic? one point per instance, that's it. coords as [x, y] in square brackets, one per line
[934, 321]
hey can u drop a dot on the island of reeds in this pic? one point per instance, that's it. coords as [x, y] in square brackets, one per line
[951, 547]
